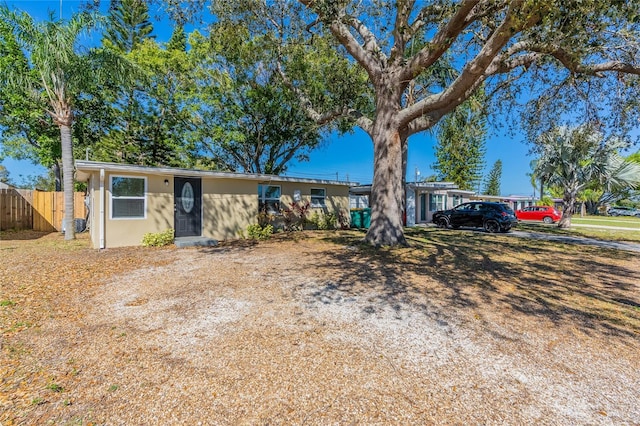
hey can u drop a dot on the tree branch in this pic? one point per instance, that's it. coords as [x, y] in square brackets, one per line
[364, 55]
[441, 42]
[536, 53]
[576, 67]
[401, 30]
[474, 72]
[323, 118]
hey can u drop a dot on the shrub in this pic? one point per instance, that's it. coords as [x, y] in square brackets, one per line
[257, 232]
[295, 216]
[344, 219]
[314, 221]
[158, 239]
[328, 221]
[264, 217]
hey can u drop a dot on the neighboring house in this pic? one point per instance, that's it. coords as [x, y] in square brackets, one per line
[423, 198]
[516, 202]
[127, 201]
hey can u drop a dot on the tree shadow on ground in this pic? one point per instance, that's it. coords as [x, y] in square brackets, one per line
[22, 235]
[590, 288]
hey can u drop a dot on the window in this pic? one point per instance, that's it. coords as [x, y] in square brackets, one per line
[269, 198]
[457, 199]
[436, 202]
[318, 197]
[128, 197]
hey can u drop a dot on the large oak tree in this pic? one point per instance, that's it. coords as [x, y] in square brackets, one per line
[560, 52]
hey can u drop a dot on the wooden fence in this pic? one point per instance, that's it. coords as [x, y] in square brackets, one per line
[37, 210]
[15, 210]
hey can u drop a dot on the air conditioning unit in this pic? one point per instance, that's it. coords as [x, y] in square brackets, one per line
[79, 224]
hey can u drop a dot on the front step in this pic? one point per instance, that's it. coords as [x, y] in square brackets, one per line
[182, 242]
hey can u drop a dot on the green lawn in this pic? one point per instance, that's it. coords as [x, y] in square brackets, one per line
[623, 222]
[622, 234]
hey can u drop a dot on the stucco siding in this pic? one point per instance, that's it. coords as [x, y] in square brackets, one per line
[229, 206]
[336, 197]
[159, 212]
[93, 187]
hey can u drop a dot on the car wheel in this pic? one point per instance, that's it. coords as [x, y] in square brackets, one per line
[547, 219]
[491, 226]
[442, 222]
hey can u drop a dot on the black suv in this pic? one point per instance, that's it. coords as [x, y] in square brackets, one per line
[493, 217]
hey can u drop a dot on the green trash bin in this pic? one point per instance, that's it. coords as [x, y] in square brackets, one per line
[356, 218]
[366, 218]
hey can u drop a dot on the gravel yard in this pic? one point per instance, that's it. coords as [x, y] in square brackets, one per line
[319, 330]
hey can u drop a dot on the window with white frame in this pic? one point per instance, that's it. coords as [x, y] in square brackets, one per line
[436, 202]
[269, 198]
[318, 196]
[128, 197]
[457, 199]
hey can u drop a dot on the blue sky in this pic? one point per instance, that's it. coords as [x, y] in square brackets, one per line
[341, 156]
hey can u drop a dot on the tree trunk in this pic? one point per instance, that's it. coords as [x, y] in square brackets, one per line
[67, 175]
[568, 204]
[386, 191]
[57, 178]
[405, 157]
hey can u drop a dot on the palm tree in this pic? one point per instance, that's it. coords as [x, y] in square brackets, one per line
[574, 158]
[58, 72]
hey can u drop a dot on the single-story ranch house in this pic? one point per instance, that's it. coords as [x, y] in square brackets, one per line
[516, 202]
[423, 198]
[126, 201]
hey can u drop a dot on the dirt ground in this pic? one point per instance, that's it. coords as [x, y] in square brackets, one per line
[459, 328]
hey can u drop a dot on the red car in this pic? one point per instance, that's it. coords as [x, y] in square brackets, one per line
[546, 214]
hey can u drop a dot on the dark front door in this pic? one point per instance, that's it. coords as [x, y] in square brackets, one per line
[188, 207]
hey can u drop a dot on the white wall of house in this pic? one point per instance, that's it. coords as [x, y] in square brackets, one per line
[422, 200]
[358, 201]
[411, 207]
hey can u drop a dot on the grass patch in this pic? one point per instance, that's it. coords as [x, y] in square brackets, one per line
[622, 222]
[54, 387]
[603, 234]
[42, 240]
[37, 401]
[18, 326]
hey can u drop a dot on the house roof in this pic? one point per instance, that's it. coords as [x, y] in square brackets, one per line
[85, 168]
[448, 186]
[503, 197]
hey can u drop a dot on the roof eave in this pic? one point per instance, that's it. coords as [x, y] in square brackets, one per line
[85, 168]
